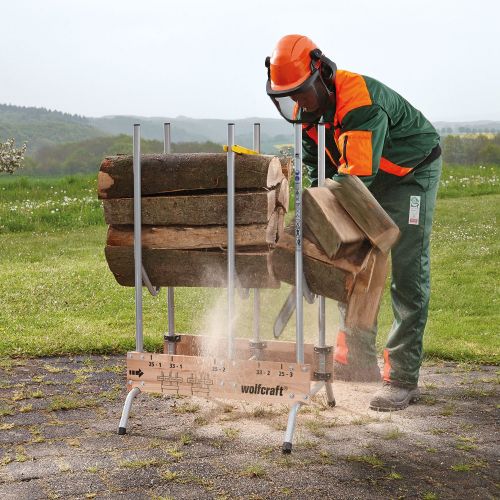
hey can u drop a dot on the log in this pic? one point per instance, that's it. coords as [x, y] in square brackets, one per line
[364, 303]
[329, 224]
[166, 173]
[187, 268]
[333, 280]
[254, 207]
[286, 166]
[353, 257]
[175, 237]
[365, 210]
[276, 225]
[283, 195]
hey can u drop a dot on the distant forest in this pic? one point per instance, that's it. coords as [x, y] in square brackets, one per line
[62, 143]
[480, 149]
[86, 156]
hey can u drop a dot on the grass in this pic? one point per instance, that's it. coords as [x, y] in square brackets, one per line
[69, 403]
[60, 298]
[254, 470]
[372, 460]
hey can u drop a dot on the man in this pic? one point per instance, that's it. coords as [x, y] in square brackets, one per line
[374, 133]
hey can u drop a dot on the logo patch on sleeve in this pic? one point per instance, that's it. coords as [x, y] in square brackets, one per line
[414, 214]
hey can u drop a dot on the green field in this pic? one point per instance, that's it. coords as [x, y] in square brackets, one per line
[59, 297]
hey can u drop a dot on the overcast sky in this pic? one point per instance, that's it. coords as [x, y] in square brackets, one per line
[205, 59]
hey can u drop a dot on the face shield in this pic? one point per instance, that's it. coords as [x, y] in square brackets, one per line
[305, 103]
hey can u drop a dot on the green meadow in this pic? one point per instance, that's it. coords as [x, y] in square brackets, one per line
[59, 297]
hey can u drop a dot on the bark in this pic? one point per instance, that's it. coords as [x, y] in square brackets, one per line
[187, 268]
[193, 210]
[166, 173]
[333, 279]
[175, 237]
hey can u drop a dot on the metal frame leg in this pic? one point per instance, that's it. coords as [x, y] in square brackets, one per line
[329, 394]
[292, 418]
[122, 428]
[290, 428]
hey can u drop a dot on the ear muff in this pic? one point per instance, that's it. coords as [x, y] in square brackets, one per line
[328, 67]
[268, 66]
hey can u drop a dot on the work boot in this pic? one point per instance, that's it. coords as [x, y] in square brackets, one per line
[356, 372]
[394, 397]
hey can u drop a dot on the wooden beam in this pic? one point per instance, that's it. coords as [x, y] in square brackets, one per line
[166, 173]
[328, 224]
[365, 210]
[255, 207]
[191, 267]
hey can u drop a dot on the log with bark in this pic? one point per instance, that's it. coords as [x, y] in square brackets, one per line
[324, 276]
[255, 207]
[167, 173]
[365, 211]
[184, 237]
[187, 268]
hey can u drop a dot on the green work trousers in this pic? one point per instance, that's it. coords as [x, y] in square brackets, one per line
[410, 202]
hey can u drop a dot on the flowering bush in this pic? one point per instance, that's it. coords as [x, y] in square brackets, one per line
[11, 158]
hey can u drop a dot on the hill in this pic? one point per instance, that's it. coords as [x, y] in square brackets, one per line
[41, 127]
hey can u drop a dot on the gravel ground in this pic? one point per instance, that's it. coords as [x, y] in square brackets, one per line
[58, 439]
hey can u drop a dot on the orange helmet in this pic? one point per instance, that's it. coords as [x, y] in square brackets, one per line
[300, 79]
[290, 62]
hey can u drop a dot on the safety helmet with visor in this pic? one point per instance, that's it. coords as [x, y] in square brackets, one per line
[300, 79]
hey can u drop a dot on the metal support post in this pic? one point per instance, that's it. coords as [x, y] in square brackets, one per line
[230, 239]
[170, 337]
[321, 180]
[139, 342]
[138, 269]
[256, 344]
[322, 349]
[299, 330]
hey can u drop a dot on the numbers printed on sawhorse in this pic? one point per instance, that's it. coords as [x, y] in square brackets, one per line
[210, 377]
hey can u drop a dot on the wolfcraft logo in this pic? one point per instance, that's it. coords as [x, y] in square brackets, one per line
[262, 389]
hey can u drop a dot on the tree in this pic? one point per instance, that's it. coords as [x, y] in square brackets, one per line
[11, 158]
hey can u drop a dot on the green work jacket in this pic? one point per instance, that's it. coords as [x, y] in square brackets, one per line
[369, 128]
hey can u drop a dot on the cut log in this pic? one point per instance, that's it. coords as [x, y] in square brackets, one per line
[254, 207]
[328, 223]
[165, 173]
[322, 276]
[175, 237]
[364, 302]
[187, 268]
[286, 166]
[365, 210]
[283, 195]
[354, 257]
[281, 223]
